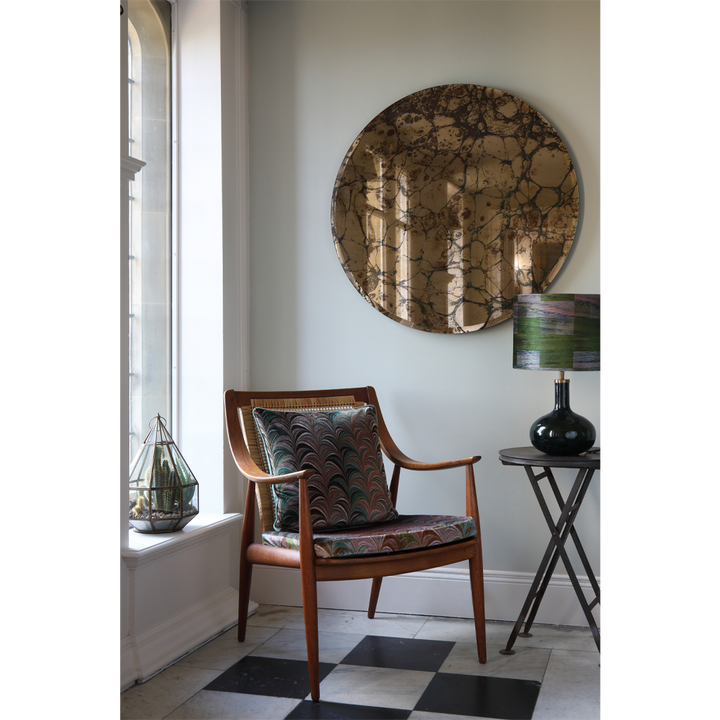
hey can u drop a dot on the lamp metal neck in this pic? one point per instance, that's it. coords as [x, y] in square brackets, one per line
[562, 394]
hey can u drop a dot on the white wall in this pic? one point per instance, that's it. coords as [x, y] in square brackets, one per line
[319, 71]
[212, 285]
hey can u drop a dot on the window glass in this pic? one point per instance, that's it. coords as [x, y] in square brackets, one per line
[150, 140]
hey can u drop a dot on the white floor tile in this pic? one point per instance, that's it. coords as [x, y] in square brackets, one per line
[385, 624]
[558, 638]
[160, 695]
[208, 705]
[290, 644]
[349, 621]
[379, 687]
[570, 688]
[225, 650]
[278, 616]
[525, 664]
[462, 630]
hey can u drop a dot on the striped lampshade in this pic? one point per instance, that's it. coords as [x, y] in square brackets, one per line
[556, 332]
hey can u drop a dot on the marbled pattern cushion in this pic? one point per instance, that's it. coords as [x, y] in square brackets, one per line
[407, 532]
[348, 487]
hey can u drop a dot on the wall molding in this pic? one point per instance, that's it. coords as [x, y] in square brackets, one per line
[439, 592]
[146, 654]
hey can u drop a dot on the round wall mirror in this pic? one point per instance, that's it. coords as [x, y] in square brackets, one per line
[450, 202]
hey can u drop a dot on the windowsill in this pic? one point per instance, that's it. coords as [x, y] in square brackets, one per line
[148, 546]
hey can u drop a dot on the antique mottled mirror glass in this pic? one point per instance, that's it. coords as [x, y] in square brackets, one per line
[450, 202]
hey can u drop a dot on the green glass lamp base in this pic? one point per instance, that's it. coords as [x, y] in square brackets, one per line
[562, 432]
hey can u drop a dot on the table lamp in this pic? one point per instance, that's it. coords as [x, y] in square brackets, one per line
[558, 332]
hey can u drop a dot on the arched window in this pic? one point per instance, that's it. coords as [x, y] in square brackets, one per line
[150, 271]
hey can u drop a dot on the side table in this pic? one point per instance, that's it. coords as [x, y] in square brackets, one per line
[586, 464]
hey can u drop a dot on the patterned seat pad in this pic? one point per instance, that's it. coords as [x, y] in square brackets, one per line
[408, 532]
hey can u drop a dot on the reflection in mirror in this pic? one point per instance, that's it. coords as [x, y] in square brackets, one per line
[450, 202]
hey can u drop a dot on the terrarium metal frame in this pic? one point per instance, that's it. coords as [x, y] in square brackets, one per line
[164, 494]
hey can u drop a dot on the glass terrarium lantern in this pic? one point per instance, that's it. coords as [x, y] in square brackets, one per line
[163, 490]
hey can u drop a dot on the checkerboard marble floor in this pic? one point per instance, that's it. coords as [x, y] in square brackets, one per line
[394, 666]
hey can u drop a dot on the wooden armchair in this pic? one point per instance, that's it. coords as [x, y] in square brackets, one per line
[313, 462]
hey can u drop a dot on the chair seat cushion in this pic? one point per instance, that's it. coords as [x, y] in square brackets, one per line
[407, 532]
[348, 486]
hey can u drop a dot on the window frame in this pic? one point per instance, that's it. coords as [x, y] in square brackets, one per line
[153, 317]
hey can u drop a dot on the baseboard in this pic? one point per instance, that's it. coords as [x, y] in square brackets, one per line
[148, 653]
[441, 591]
[128, 671]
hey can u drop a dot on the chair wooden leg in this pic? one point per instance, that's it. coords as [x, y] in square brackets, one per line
[374, 595]
[245, 575]
[310, 613]
[244, 597]
[478, 600]
[477, 584]
[308, 582]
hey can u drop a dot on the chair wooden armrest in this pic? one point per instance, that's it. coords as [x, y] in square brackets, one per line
[262, 478]
[404, 461]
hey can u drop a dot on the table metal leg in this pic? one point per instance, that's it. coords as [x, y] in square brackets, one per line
[555, 551]
[587, 607]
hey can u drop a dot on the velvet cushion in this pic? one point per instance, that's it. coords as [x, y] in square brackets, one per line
[348, 487]
[407, 532]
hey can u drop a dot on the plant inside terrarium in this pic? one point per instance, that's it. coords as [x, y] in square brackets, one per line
[163, 490]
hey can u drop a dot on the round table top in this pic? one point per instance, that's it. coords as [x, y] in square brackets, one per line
[532, 456]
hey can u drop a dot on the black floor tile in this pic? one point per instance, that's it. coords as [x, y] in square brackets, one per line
[308, 710]
[488, 697]
[399, 653]
[268, 676]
